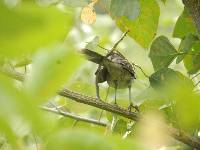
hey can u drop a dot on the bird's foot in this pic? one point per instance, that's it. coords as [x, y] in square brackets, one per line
[98, 97]
[115, 104]
[133, 106]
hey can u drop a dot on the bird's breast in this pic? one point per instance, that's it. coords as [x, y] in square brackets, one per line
[119, 76]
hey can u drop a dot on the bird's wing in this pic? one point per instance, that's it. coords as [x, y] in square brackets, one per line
[118, 58]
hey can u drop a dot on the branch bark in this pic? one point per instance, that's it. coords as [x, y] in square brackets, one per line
[193, 6]
[92, 101]
[81, 98]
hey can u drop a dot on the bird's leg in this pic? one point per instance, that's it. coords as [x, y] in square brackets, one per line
[97, 87]
[105, 101]
[131, 104]
[115, 93]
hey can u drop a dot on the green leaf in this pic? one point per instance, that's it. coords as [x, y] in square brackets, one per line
[50, 70]
[28, 27]
[144, 28]
[192, 63]
[120, 127]
[186, 45]
[128, 8]
[77, 3]
[165, 78]
[191, 60]
[190, 47]
[184, 25]
[102, 10]
[162, 53]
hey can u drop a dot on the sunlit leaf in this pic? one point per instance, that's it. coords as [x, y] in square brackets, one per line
[165, 78]
[88, 15]
[162, 53]
[144, 28]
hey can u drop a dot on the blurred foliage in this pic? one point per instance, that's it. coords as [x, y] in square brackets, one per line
[41, 39]
[24, 23]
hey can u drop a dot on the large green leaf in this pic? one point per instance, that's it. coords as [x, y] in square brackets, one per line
[186, 45]
[166, 78]
[192, 63]
[28, 27]
[144, 28]
[162, 53]
[128, 8]
[184, 25]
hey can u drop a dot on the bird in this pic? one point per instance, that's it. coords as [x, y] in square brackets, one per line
[114, 69]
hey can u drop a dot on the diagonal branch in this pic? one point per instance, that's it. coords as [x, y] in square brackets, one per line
[92, 101]
[73, 116]
[81, 98]
[117, 43]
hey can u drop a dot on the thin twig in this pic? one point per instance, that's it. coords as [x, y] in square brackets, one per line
[36, 144]
[195, 75]
[140, 69]
[117, 43]
[103, 48]
[197, 84]
[75, 123]
[73, 116]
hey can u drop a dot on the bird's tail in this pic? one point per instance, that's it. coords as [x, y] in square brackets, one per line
[92, 56]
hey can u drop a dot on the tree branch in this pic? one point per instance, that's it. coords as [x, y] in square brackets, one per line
[193, 6]
[92, 101]
[78, 97]
[73, 116]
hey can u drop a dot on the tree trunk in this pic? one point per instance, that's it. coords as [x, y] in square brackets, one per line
[193, 6]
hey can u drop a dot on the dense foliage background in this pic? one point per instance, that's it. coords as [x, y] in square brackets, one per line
[39, 44]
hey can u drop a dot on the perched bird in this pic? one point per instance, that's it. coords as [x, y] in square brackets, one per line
[114, 69]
